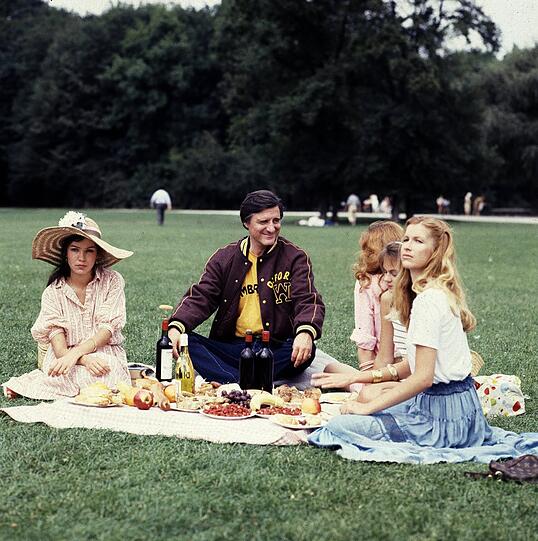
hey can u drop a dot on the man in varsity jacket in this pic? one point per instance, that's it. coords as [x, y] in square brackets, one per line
[261, 282]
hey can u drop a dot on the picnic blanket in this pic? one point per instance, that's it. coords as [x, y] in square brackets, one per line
[195, 426]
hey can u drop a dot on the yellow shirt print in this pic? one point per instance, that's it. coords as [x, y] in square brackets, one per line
[249, 315]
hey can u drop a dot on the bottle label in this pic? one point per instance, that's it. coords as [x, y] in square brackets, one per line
[167, 363]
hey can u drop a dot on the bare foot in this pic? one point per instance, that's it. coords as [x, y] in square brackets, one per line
[9, 394]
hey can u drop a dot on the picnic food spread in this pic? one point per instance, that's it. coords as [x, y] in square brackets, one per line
[227, 402]
[286, 405]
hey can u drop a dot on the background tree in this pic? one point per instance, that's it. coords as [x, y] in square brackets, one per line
[313, 99]
[27, 28]
[511, 126]
[335, 96]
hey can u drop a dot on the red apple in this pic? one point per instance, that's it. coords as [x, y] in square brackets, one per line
[311, 405]
[143, 399]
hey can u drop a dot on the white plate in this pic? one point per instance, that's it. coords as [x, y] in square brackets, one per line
[174, 407]
[227, 418]
[88, 405]
[335, 398]
[286, 424]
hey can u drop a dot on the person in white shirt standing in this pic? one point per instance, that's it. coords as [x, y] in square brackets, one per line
[161, 201]
[353, 205]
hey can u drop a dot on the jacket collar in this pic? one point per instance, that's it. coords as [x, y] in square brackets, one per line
[244, 246]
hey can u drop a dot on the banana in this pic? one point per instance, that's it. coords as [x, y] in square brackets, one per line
[265, 398]
[95, 395]
[127, 393]
[98, 400]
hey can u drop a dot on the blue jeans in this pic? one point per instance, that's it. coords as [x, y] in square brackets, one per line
[219, 361]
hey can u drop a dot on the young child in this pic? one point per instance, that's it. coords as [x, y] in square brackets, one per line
[434, 415]
[392, 346]
[82, 313]
[368, 289]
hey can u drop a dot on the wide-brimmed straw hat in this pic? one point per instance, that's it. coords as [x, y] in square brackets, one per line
[47, 244]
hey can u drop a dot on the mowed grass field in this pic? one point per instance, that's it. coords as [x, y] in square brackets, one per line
[82, 484]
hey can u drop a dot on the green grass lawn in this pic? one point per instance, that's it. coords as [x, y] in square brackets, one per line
[81, 484]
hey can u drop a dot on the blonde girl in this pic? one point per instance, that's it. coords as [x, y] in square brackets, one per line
[434, 415]
[368, 289]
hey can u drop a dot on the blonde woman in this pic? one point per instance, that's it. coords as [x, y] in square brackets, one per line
[434, 415]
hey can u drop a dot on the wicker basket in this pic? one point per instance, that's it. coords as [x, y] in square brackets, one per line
[476, 363]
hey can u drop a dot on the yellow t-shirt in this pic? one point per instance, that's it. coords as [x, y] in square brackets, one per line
[249, 315]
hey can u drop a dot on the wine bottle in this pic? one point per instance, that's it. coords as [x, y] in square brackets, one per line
[164, 361]
[246, 364]
[265, 364]
[184, 368]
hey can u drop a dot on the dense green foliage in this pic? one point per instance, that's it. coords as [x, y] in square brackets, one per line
[93, 484]
[313, 99]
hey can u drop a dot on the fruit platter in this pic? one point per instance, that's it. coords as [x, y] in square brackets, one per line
[98, 395]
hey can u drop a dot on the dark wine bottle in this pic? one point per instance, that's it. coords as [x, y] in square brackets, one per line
[164, 360]
[265, 364]
[246, 364]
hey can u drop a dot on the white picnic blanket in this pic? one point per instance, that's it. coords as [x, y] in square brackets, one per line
[195, 426]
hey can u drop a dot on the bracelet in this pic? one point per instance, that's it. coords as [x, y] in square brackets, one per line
[377, 376]
[393, 372]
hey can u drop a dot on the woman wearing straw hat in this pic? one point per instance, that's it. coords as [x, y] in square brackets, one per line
[78, 330]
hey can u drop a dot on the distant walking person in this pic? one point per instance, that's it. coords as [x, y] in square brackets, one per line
[467, 203]
[478, 205]
[161, 201]
[442, 205]
[353, 204]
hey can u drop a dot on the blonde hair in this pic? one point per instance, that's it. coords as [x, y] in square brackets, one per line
[440, 271]
[371, 243]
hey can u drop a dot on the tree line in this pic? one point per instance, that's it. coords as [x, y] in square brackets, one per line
[314, 99]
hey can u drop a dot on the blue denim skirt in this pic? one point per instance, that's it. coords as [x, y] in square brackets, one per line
[444, 423]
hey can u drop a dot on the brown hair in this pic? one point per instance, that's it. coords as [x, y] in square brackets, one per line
[390, 251]
[440, 271]
[257, 201]
[371, 242]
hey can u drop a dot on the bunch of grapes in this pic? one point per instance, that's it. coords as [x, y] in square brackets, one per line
[238, 397]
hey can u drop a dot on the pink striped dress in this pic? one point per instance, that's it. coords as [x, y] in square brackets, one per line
[62, 312]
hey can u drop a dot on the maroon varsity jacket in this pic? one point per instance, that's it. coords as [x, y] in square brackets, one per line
[289, 302]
